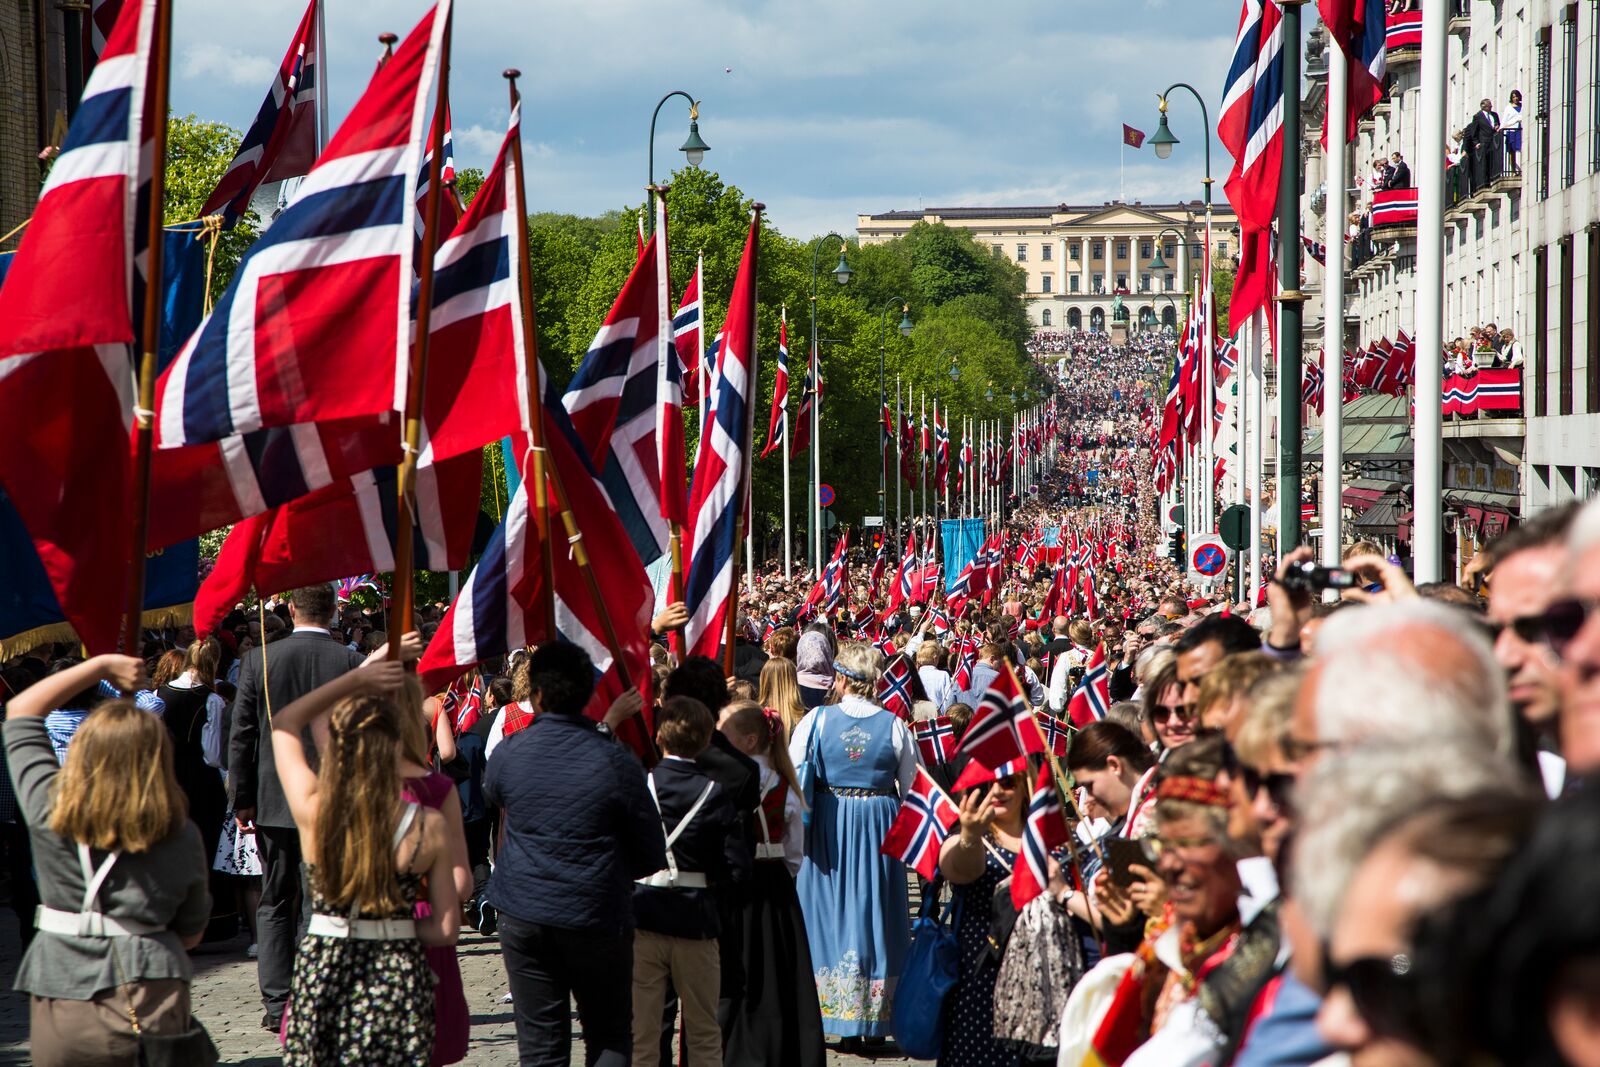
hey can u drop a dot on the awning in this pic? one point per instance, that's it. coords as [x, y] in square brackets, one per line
[1384, 515]
[1402, 525]
[1360, 498]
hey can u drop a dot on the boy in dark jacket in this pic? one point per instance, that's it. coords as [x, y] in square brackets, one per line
[675, 909]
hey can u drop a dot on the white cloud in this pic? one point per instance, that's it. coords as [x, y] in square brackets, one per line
[231, 65]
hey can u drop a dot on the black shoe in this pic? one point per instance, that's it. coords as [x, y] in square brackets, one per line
[272, 1023]
[488, 920]
[850, 1046]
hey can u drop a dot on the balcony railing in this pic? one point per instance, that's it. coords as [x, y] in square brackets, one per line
[1493, 392]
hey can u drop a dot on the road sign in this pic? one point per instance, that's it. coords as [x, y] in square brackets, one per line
[1208, 557]
[1174, 515]
[825, 495]
[871, 520]
[1234, 525]
[829, 519]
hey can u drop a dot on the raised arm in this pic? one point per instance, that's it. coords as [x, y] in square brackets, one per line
[50, 692]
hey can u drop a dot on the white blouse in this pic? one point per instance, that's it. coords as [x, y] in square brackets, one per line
[793, 826]
[860, 708]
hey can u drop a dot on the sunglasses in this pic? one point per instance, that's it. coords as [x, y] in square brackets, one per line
[1529, 629]
[1279, 786]
[1387, 992]
[1562, 620]
[1163, 712]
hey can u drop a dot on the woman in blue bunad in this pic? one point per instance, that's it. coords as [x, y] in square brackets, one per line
[862, 761]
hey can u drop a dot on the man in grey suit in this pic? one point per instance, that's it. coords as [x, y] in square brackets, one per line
[308, 658]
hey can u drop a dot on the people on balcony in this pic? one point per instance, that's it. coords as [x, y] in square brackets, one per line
[1511, 130]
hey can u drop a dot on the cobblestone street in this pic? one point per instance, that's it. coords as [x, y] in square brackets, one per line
[226, 1000]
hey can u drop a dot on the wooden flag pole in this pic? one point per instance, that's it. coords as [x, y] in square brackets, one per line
[1055, 766]
[416, 385]
[533, 412]
[144, 413]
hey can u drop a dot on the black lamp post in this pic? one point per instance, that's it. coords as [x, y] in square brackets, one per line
[694, 149]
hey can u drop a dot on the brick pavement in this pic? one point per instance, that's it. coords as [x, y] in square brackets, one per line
[226, 1000]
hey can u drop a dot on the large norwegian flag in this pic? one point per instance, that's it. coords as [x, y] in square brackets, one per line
[282, 141]
[778, 425]
[66, 319]
[316, 323]
[720, 491]
[1044, 830]
[476, 348]
[921, 826]
[612, 400]
[1091, 699]
[1251, 128]
[1002, 727]
[1358, 29]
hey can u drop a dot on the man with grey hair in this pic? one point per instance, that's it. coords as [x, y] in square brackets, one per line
[1574, 632]
[1411, 671]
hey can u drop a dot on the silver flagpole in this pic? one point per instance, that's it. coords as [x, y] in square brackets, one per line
[1427, 533]
[1333, 315]
[783, 452]
[899, 463]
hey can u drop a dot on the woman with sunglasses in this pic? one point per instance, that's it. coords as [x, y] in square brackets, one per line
[1168, 716]
[976, 861]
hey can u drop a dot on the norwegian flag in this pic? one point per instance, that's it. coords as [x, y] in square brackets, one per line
[965, 661]
[469, 707]
[894, 686]
[670, 470]
[778, 427]
[1056, 734]
[1044, 831]
[924, 820]
[936, 740]
[885, 641]
[880, 564]
[886, 436]
[613, 400]
[1002, 727]
[1311, 386]
[1091, 699]
[975, 773]
[908, 448]
[103, 15]
[282, 141]
[941, 437]
[315, 324]
[688, 335]
[66, 319]
[863, 622]
[808, 395]
[720, 492]
[1171, 413]
[449, 204]
[938, 619]
[1358, 28]
[1251, 128]
[1315, 249]
[834, 585]
[905, 586]
[1226, 361]
[476, 347]
[1091, 605]
[498, 608]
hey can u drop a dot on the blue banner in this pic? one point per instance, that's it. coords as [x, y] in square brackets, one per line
[962, 540]
[171, 575]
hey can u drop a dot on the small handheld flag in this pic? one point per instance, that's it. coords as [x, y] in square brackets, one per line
[921, 827]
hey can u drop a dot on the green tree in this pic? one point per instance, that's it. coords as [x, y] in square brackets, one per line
[1221, 295]
[198, 154]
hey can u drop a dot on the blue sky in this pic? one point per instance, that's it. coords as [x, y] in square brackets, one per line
[822, 109]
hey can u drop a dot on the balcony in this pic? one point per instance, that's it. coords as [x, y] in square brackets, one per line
[1403, 38]
[1394, 213]
[1460, 17]
[1470, 184]
[1489, 400]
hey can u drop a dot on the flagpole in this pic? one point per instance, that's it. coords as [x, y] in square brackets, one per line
[405, 518]
[1428, 428]
[533, 413]
[900, 462]
[923, 441]
[322, 78]
[1333, 307]
[783, 450]
[144, 414]
[1258, 401]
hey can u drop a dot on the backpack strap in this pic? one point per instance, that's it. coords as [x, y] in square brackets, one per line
[683, 823]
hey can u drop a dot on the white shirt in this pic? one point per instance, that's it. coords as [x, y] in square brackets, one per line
[855, 707]
[794, 842]
[940, 687]
[497, 731]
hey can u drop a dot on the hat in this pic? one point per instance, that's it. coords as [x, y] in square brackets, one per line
[813, 661]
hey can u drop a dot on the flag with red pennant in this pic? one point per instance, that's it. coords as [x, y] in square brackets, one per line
[282, 140]
[719, 495]
[1044, 830]
[1002, 727]
[975, 773]
[316, 322]
[921, 826]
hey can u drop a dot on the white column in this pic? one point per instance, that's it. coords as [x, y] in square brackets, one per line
[1427, 430]
[1061, 279]
[1333, 314]
[1257, 451]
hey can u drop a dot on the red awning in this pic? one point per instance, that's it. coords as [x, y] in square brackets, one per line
[1402, 525]
[1361, 499]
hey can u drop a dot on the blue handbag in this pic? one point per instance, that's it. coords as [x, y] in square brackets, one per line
[930, 972]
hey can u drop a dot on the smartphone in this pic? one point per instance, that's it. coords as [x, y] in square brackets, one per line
[1121, 854]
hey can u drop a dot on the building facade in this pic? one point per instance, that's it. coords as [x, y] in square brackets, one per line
[33, 76]
[1082, 262]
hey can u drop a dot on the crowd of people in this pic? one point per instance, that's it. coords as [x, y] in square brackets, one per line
[1299, 829]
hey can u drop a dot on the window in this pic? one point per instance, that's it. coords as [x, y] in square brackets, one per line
[1592, 314]
[1541, 115]
[1075, 250]
[1222, 250]
[1099, 283]
[1172, 281]
[1122, 249]
[1075, 318]
[1144, 249]
[1144, 283]
[1022, 252]
[1564, 328]
[1122, 281]
[1044, 316]
[1074, 283]
[1541, 326]
[1170, 251]
[1197, 249]
[1569, 94]
[1097, 249]
[1044, 283]
[1044, 251]
[999, 251]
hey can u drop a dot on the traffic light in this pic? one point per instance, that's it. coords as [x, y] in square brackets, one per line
[1175, 547]
[877, 541]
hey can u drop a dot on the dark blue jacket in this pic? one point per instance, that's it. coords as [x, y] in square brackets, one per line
[579, 826]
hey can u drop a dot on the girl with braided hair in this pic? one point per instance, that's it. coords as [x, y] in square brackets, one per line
[362, 990]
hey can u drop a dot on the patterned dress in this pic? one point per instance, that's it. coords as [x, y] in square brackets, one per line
[360, 1002]
[969, 1009]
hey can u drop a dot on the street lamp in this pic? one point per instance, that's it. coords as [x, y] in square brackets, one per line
[988, 394]
[1163, 140]
[841, 276]
[955, 371]
[694, 149]
[883, 397]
